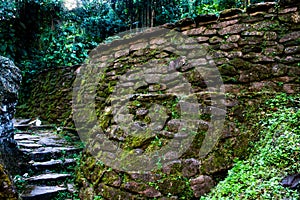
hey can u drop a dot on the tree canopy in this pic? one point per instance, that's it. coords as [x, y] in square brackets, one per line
[40, 34]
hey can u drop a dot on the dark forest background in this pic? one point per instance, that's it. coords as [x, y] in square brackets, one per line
[40, 34]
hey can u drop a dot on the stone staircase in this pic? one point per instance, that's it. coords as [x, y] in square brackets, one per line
[48, 170]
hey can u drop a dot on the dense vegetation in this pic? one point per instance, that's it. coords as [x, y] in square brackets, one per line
[274, 157]
[39, 34]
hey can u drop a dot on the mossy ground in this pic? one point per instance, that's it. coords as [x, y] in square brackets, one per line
[273, 157]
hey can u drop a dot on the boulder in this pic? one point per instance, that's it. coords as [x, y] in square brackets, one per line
[10, 80]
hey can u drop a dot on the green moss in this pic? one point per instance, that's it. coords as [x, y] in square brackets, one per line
[273, 157]
[7, 189]
[156, 144]
[137, 141]
[173, 107]
[175, 185]
[239, 63]
[104, 119]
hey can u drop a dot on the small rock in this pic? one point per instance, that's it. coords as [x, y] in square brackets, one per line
[142, 112]
[174, 125]
[290, 88]
[157, 87]
[210, 32]
[236, 28]
[146, 177]
[190, 167]
[233, 38]
[166, 134]
[231, 12]
[228, 46]
[138, 151]
[288, 10]
[290, 36]
[141, 188]
[172, 167]
[270, 35]
[202, 39]
[201, 185]
[292, 181]
[196, 31]
[253, 33]
[292, 50]
[171, 155]
[260, 7]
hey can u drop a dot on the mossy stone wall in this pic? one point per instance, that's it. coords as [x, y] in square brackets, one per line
[257, 53]
[48, 96]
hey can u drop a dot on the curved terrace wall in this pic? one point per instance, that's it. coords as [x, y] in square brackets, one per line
[257, 53]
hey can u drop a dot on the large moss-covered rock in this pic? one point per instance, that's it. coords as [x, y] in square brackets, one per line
[10, 79]
[48, 96]
[7, 190]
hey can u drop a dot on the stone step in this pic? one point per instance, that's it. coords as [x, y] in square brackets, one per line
[48, 153]
[26, 141]
[47, 178]
[22, 126]
[28, 137]
[21, 121]
[33, 192]
[24, 132]
[29, 145]
[43, 139]
[52, 142]
[51, 164]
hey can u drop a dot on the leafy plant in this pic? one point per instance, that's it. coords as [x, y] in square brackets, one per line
[212, 8]
[19, 182]
[272, 158]
[7, 35]
[66, 195]
[65, 46]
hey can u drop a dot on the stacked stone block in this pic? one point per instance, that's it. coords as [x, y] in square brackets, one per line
[257, 54]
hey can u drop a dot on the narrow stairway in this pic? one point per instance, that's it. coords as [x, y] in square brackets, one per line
[50, 155]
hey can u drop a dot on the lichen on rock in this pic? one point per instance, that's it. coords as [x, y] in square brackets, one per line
[10, 79]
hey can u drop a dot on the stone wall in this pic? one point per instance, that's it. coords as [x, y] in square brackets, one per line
[49, 96]
[249, 39]
[257, 54]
